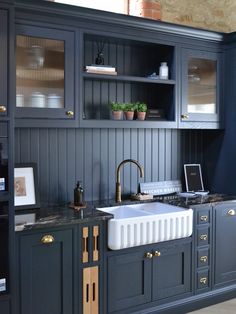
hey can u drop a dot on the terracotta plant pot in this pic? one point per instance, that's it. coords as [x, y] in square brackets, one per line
[129, 115]
[141, 115]
[117, 115]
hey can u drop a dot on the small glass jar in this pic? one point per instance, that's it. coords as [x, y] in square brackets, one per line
[163, 71]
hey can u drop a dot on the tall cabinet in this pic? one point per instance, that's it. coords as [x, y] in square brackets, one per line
[6, 159]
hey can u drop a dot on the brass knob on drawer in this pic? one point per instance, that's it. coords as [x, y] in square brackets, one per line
[231, 212]
[70, 113]
[203, 237]
[203, 280]
[148, 255]
[184, 116]
[204, 218]
[203, 259]
[48, 238]
[3, 109]
[157, 253]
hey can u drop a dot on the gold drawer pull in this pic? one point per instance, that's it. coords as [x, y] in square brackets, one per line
[148, 255]
[231, 212]
[70, 113]
[184, 116]
[48, 238]
[203, 259]
[203, 237]
[3, 109]
[203, 280]
[204, 218]
[157, 253]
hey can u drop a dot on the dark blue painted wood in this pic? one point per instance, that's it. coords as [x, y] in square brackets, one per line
[92, 155]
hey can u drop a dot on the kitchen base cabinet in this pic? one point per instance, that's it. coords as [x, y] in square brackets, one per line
[149, 274]
[46, 268]
[4, 307]
[224, 246]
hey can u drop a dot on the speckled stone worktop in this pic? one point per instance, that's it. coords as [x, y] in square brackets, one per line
[64, 215]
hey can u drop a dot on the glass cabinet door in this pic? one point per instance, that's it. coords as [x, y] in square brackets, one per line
[200, 87]
[44, 73]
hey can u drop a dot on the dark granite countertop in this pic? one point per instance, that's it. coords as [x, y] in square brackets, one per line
[59, 216]
[64, 215]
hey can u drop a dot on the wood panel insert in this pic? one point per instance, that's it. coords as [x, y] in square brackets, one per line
[85, 254]
[95, 243]
[90, 290]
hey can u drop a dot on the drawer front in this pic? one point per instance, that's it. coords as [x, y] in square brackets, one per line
[203, 281]
[203, 236]
[203, 257]
[203, 216]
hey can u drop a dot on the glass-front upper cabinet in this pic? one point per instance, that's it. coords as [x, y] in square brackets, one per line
[200, 93]
[44, 73]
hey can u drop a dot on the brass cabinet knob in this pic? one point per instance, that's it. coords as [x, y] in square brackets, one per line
[3, 109]
[231, 212]
[70, 113]
[148, 255]
[157, 253]
[203, 237]
[184, 116]
[203, 280]
[203, 259]
[203, 218]
[48, 238]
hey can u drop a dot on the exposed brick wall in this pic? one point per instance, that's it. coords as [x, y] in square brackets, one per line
[145, 8]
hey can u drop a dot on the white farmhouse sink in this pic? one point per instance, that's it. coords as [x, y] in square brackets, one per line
[141, 224]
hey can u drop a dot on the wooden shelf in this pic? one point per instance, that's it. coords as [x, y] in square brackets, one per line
[127, 78]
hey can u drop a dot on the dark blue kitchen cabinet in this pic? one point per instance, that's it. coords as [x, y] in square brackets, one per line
[201, 89]
[45, 63]
[4, 307]
[224, 244]
[46, 272]
[155, 273]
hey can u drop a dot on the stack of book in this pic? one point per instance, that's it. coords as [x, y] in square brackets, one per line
[101, 69]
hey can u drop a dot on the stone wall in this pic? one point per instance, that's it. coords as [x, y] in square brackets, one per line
[217, 15]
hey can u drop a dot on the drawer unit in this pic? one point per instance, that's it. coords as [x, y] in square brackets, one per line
[203, 282]
[203, 216]
[203, 236]
[202, 247]
[203, 257]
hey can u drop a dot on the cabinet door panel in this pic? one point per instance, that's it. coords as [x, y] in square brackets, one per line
[46, 273]
[129, 278]
[171, 271]
[4, 63]
[4, 307]
[225, 235]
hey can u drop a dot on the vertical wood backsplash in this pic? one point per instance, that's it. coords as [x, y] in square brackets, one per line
[64, 156]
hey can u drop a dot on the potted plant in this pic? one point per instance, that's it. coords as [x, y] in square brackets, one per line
[129, 109]
[117, 110]
[141, 111]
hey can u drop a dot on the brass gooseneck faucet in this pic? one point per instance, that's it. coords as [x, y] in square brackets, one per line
[118, 186]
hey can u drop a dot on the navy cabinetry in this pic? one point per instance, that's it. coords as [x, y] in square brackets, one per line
[201, 89]
[45, 75]
[152, 274]
[224, 244]
[202, 237]
[6, 158]
[46, 272]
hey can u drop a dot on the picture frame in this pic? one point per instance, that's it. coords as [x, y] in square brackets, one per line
[193, 177]
[26, 194]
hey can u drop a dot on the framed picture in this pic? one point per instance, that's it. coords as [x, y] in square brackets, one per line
[193, 177]
[25, 186]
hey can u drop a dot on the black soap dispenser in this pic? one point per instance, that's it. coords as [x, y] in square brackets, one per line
[78, 194]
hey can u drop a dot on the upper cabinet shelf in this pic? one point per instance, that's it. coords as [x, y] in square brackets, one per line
[128, 78]
[134, 78]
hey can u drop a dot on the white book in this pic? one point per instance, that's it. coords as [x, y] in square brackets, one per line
[100, 68]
